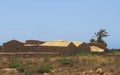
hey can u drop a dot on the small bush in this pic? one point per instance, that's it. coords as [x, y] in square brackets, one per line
[92, 40]
[45, 68]
[15, 65]
[66, 61]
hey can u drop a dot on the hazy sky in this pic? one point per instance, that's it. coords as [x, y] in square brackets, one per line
[74, 20]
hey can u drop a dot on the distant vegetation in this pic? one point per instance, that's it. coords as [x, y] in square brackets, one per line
[66, 61]
[99, 36]
[113, 50]
[45, 68]
[15, 65]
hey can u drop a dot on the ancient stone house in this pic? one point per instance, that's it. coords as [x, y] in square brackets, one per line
[59, 43]
[38, 46]
[61, 46]
[13, 46]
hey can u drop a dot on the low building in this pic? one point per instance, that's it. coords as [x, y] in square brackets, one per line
[58, 43]
[13, 46]
[62, 46]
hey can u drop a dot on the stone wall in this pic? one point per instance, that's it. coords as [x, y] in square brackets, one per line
[84, 47]
[16, 46]
[63, 50]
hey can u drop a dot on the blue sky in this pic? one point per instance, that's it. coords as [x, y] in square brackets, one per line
[74, 20]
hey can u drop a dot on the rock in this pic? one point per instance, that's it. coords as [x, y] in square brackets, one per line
[9, 71]
[59, 69]
[91, 71]
[99, 71]
[53, 72]
[46, 74]
[88, 72]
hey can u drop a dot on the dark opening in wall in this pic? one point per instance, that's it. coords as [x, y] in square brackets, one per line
[17, 48]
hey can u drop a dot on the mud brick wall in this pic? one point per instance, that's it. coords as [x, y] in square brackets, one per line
[21, 48]
[84, 47]
[16, 46]
[66, 50]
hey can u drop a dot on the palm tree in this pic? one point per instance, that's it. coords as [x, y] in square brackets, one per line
[101, 34]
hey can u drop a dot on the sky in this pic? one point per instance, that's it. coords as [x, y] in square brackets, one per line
[73, 20]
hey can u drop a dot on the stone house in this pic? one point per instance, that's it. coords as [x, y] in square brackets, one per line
[13, 46]
[38, 46]
[61, 46]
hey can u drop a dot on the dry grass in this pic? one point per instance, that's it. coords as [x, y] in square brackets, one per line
[82, 63]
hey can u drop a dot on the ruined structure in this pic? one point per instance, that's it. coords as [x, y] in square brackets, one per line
[13, 46]
[60, 46]
[38, 46]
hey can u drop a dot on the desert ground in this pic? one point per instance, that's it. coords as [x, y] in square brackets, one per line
[55, 64]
